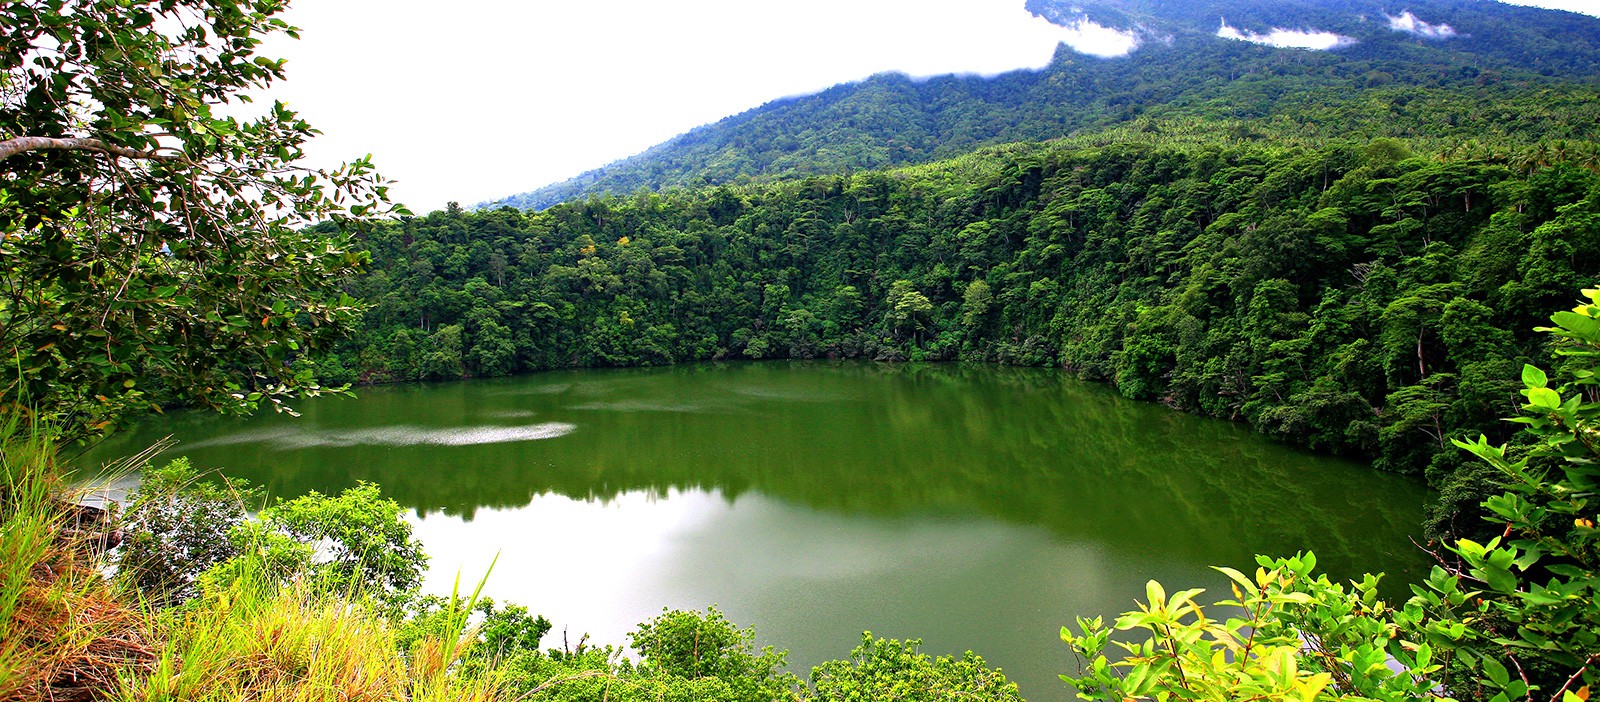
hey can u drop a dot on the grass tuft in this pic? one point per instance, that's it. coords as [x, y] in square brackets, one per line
[65, 634]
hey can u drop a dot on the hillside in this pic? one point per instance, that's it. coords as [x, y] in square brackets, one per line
[1505, 74]
[1353, 299]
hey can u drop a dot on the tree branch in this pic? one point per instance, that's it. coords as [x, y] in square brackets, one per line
[12, 147]
[1595, 658]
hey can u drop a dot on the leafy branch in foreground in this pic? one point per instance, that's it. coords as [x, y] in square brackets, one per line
[153, 249]
[1514, 618]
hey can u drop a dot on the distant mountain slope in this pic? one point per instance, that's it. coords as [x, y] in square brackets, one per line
[1504, 73]
[1496, 35]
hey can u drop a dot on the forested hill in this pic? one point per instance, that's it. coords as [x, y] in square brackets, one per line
[1506, 74]
[1354, 298]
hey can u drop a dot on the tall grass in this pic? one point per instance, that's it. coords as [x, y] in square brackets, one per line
[64, 632]
[69, 633]
[27, 532]
[254, 639]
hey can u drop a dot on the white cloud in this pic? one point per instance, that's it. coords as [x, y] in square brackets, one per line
[1408, 23]
[1085, 36]
[1288, 38]
[1585, 7]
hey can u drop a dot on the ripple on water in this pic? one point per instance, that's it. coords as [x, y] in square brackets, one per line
[549, 389]
[652, 406]
[766, 392]
[290, 438]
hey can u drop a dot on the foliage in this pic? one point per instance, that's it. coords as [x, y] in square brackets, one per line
[1356, 299]
[1539, 581]
[155, 250]
[881, 669]
[360, 542]
[1511, 618]
[499, 632]
[176, 528]
[1285, 635]
[69, 633]
[689, 655]
[185, 535]
[694, 646]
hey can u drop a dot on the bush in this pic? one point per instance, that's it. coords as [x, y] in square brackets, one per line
[881, 669]
[360, 540]
[183, 532]
[177, 527]
[1510, 618]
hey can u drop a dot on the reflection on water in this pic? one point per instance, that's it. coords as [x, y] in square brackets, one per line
[973, 506]
[292, 438]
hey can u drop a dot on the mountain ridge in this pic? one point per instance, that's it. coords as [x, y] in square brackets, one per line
[891, 119]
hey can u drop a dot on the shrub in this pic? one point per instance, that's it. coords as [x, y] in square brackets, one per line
[1514, 617]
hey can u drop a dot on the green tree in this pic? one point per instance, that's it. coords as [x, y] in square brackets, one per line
[360, 542]
[907, 308]
[152, 249]
[975, 302]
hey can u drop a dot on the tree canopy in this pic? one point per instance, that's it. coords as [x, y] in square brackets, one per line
[156, 243]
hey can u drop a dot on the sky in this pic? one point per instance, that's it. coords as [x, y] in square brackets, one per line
[470, 100]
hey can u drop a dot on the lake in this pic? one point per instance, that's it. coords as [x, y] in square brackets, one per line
[972, 506]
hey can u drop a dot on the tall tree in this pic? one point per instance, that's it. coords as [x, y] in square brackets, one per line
[153, 248]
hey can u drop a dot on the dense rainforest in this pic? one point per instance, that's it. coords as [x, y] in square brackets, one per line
[1354, 251]
[1355, 299]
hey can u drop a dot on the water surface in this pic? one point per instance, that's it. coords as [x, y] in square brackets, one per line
[975, 507]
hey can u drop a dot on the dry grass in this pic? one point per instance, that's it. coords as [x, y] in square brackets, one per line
[289, 645]
[251, 645]
[65, 634]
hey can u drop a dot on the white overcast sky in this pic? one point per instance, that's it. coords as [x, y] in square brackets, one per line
[470, 100]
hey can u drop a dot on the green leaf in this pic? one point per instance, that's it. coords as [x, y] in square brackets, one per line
[1497, 673]
[1544, 398]
[1244, 583]
[1583, 326]
[1499, 578]
[1154, 592]
[1533, 377]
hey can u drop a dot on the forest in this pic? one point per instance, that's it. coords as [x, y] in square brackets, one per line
[1374, 254]
[1356, 299]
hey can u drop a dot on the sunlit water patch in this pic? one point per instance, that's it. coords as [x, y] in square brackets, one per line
[292, 438]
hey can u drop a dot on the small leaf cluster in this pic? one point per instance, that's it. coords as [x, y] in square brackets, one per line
[1286, 634]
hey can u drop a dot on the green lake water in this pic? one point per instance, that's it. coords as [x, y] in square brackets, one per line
[974, 507]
